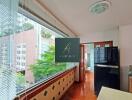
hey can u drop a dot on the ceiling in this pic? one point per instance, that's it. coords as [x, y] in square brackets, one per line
[75, 14]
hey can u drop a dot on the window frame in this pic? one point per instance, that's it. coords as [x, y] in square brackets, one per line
[31, 15]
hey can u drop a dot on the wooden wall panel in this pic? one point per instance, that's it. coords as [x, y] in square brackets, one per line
[56, 90]
[53, 89]
[81, 64]
[130, 84]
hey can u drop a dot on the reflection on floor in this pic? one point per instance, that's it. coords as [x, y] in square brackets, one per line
[83, 91]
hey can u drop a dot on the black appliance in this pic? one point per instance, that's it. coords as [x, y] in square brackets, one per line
[106, 68]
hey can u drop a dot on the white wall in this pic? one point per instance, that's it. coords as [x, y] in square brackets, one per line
[121, 37]
[101, 36]
[125, 38]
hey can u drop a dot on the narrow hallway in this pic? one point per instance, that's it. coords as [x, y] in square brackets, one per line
[82, 91]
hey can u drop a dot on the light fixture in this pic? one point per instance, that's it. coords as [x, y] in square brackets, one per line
[99, 6]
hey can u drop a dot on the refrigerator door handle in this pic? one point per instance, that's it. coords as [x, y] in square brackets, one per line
[106, 66]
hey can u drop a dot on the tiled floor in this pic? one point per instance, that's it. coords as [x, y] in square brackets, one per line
[83, 91]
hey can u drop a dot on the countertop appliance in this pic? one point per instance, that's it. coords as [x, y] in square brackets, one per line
[106, 68]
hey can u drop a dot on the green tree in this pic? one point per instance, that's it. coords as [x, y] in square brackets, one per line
[20, 79]
[1, 34]
[45, 34]
[27, 26]
[46, 66]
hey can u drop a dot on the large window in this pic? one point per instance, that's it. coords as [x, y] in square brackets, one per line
[27, 56]
[34, 47]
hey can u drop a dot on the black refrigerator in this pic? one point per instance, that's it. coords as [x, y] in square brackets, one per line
[106, 68]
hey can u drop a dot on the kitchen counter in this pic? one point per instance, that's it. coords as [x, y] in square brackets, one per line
[113, 94]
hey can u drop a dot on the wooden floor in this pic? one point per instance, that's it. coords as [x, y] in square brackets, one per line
[82, 91]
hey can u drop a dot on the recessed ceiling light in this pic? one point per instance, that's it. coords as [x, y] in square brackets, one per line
[100, 6]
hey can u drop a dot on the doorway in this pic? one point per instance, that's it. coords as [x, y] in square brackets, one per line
[89, 53]
[89, 56]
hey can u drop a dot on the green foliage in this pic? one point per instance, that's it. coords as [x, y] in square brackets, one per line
[20, 79]
[1, 33]
[45, 34]
[27, 26]
[18, 28]
[46, 66]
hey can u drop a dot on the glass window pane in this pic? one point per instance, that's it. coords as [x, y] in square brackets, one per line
[27, 56]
